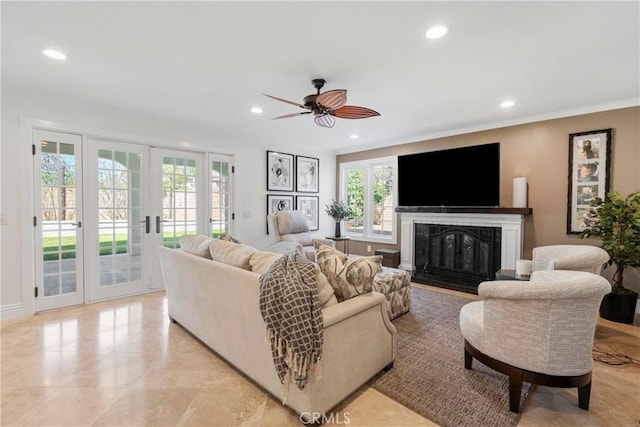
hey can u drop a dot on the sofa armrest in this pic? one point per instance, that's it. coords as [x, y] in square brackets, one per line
[327, 242]
[588, 261]
[553, 285]
[338, 312]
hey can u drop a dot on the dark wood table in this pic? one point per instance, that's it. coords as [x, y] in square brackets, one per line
[505, 274]
[345, 242]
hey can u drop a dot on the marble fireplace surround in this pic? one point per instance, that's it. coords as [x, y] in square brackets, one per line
[510, 221]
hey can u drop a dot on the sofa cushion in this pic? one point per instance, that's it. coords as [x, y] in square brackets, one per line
[348, 277]
[234, 254]
[196, 244]
[261, 261]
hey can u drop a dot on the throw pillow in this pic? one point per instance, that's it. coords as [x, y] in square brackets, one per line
[234, 254]
[325, 292]
[196, 244]
[228, 238]
[348, 277]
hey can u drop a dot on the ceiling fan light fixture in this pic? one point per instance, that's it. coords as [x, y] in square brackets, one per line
[256, 110]
[326, 106]
[325, 120]
[436, 32]
[508, 103]
[354, 136]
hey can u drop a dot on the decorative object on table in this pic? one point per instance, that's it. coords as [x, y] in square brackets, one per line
[523, 267]
[327, 105]
[589, 164]
[307, 174]
[519, 192]
[616, 221]
[309, 207]
[280, 171]
[278, 203]
[339, 211]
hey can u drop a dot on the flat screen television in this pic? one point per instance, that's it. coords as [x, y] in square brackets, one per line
[458, 177]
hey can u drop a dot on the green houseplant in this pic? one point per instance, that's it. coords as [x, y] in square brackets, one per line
[616, 221]
[338, 211]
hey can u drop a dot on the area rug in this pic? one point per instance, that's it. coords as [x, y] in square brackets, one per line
[428, 375]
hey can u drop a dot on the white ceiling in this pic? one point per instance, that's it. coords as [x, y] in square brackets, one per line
[207, 63]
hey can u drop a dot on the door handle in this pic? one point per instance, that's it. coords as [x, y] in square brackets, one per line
[77, 224]
[158, 221]
[147, 224]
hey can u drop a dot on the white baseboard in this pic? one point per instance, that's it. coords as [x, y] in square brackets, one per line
[11, 311]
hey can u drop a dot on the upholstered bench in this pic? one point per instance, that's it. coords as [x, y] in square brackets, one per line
[396, 286]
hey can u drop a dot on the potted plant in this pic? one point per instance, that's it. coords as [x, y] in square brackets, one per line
[616, 220]
[338, 211]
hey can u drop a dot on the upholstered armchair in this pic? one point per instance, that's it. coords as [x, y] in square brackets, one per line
[569, 257]
[539, 331]
[289, 230]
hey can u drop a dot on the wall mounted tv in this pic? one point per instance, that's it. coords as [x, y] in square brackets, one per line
[467, 176]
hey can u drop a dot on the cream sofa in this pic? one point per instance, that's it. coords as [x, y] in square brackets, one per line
[218, 303]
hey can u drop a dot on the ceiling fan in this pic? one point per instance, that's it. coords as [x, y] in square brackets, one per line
[327, 105]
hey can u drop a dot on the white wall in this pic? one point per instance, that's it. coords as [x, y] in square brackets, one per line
[250, 177]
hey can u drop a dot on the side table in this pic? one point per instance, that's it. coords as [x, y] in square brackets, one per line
[504, 274]
[345, 242]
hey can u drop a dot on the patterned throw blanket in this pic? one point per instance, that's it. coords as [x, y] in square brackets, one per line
[291, 311]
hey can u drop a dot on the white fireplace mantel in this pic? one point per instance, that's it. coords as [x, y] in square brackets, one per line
[511, 224]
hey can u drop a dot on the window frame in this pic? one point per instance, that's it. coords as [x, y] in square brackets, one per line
[369, 164]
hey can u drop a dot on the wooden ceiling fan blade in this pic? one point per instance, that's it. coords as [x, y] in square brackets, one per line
[285, 100]
[353, 112]
[332, 99]
[286, 116]
[325, 121]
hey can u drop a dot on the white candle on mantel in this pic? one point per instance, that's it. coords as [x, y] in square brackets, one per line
[520, 192]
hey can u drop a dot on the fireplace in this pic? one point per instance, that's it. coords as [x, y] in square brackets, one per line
[467, 245]
[456, 257]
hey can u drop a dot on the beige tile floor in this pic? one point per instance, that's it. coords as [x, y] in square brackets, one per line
[122, 363]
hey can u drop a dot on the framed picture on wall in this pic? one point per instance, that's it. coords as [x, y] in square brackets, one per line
[309, 206]
[589, 164]
[280, 171]
[279, 202]
[307, 174]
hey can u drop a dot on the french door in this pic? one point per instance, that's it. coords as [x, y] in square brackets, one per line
[97, 232]
[58, 219]
[119, 219]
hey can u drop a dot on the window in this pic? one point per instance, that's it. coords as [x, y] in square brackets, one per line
[368, 188]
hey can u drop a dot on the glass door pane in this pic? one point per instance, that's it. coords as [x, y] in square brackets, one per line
[179, 197]
[220, 179]
[59, 220]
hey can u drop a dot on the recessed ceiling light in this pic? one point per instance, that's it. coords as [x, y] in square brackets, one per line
[507, 104]
[256, 110]
[436, 32]
[55, 54]
[354, 136]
